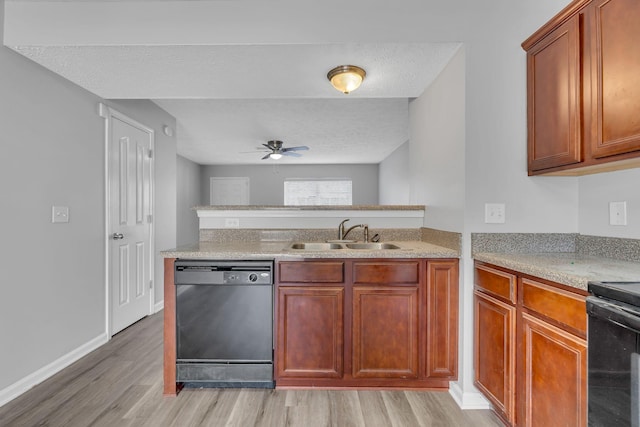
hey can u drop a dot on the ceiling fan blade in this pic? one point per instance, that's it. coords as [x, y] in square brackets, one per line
[291, 153]
[299, 148]
[268, 146]
[266, 157]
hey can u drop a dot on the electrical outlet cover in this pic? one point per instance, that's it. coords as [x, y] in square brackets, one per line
[59, 214]
[618, 213]
[232, 222]
[494, 213]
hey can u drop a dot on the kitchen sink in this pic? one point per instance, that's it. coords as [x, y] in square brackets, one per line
[372, 246]
[315, 246]
[319, 246]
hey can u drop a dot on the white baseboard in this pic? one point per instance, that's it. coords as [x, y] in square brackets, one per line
[159, 306]
[468, 400]
[31, 380]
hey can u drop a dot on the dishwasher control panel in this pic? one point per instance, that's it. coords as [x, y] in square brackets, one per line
[247, 277]
[211, 272]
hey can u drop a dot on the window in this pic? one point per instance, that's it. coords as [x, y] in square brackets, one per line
[329, 191]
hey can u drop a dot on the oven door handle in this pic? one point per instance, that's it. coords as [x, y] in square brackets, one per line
[612, 313]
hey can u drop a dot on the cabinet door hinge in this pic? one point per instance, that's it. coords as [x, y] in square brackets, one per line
[150, 284]
[151, 154]
[149, 218]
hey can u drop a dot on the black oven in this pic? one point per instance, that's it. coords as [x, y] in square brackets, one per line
[614, 354]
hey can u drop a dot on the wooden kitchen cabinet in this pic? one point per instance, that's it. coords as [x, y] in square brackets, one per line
[553, 375]
[613, 30]
[390, 323]
[553, 97]
[386, 319]
[441, 354]
[553, 381]
[530, 348]
[310, 319]
[310, 332]
[385, 332]
[583, 89]
[495, 338]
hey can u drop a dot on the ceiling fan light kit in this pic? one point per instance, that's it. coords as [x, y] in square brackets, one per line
[346, 78]
[277, 150]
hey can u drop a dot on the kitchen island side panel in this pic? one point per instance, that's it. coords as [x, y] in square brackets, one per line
[169, 370]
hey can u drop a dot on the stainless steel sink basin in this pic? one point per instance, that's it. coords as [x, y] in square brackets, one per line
[315, 246]
[372, 246]
[321, 246]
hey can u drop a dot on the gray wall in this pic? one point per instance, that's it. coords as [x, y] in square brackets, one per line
[53, 274]
[596, 191]
[53, 293]
[436, 149]
[267, 182]
[188, 184]
[394, 177]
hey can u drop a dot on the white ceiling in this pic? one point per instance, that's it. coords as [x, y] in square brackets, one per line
[229, 99]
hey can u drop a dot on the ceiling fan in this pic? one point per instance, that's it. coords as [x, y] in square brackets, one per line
[277, 151]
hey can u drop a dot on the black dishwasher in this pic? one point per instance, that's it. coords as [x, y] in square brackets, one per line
[224, 323]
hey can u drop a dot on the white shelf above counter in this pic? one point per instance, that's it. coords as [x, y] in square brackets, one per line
[286, 217]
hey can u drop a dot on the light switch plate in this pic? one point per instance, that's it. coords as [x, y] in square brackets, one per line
[494, 213]
[59, 214]
[618, 213]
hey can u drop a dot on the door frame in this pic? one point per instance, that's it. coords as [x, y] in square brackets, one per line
[108, 113]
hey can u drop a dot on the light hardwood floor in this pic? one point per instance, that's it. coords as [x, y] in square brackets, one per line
[120, 384]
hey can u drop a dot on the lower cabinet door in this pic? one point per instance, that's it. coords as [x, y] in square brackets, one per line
[494, 353]
[441, 355]
[385, 332]
[310, 337]
[553, 390]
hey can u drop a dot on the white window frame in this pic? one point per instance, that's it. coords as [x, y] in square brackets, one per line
[324, 194]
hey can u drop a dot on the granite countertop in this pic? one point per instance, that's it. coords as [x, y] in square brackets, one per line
[278, 249]
[568, 268]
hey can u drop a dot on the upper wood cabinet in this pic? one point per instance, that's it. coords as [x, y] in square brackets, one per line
[615, 84]
[583, 89]
[553, 97]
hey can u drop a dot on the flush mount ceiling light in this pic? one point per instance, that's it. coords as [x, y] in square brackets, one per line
[346, 78]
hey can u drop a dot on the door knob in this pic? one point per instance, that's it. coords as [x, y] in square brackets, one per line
[118, 236]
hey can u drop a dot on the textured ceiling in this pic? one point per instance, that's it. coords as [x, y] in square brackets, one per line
[336, 130]
[229, 99]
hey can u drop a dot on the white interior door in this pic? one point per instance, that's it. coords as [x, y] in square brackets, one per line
[130, 229]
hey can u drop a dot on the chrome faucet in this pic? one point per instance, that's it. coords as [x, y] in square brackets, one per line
[342, 234]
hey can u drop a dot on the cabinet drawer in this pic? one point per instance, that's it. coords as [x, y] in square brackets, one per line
[386, 273]
[496, 282]
[311, 272]
[564, 307]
